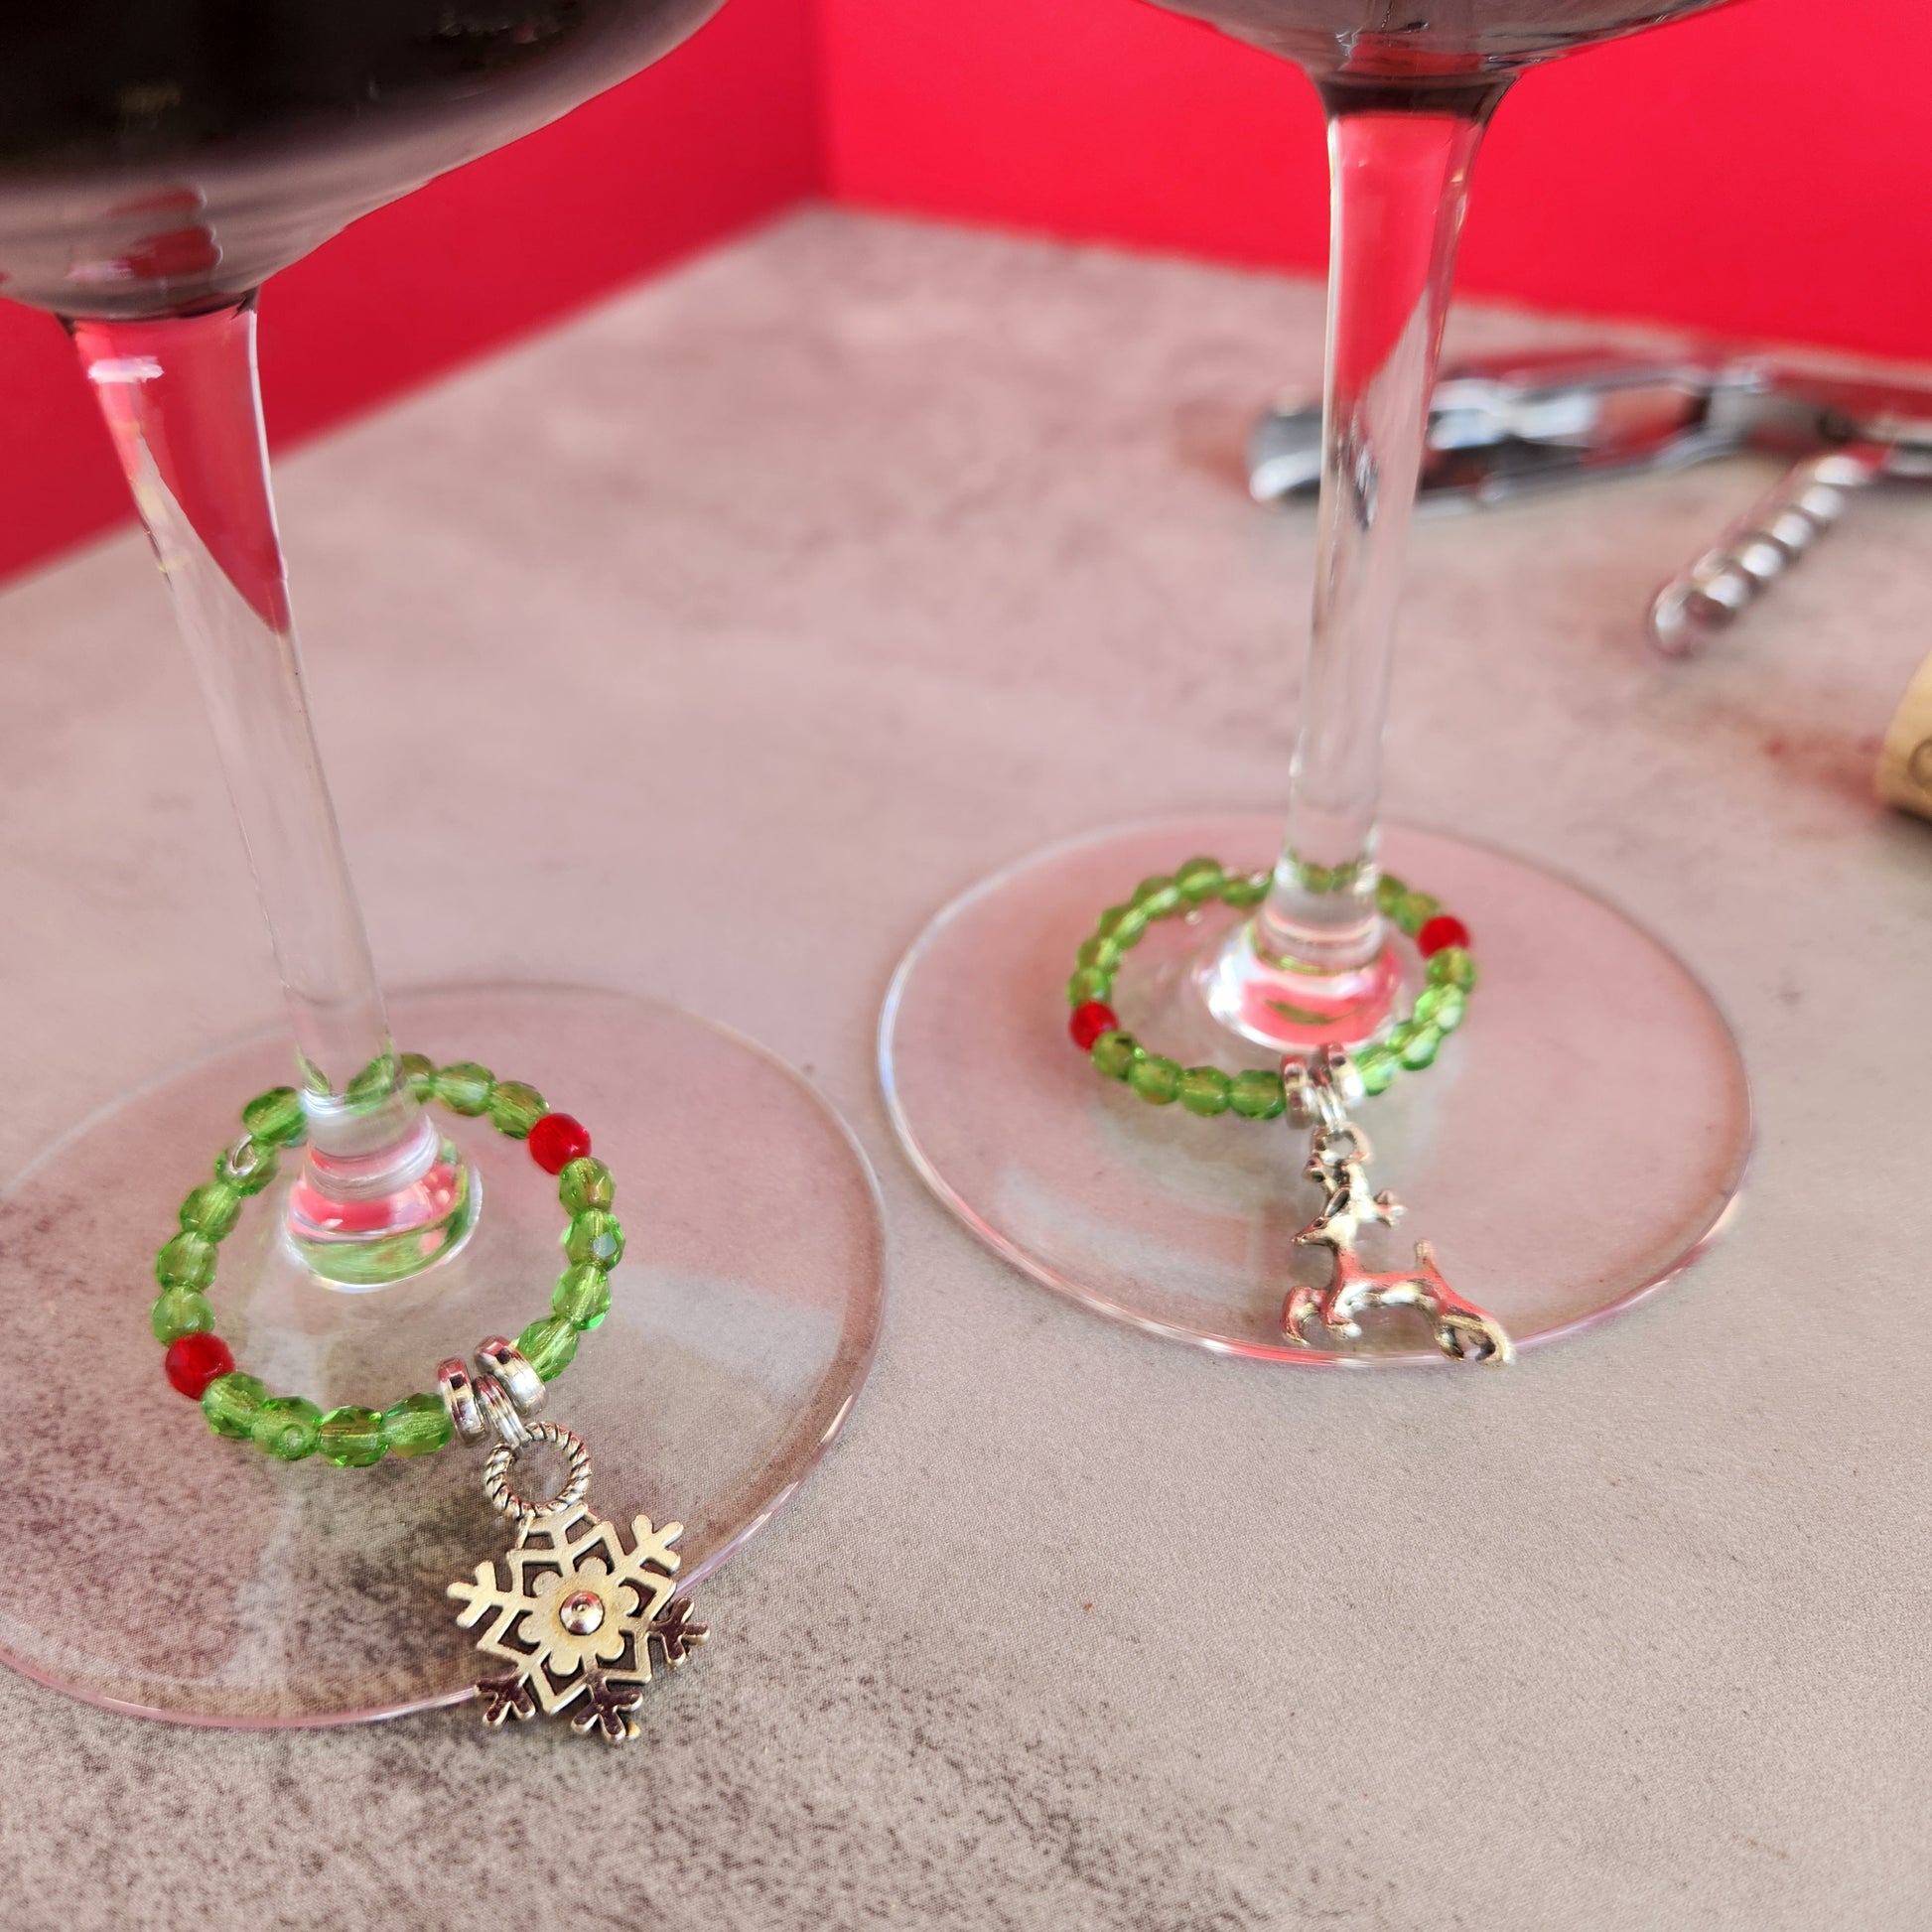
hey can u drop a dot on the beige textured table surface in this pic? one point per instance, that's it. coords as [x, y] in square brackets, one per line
[708, 645]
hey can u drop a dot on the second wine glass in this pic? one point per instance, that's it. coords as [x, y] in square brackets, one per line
[1529, 1154]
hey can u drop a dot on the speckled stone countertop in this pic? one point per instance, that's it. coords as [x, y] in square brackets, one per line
[917, 549]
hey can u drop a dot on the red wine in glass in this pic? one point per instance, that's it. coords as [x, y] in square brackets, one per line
[1380, 41]
[157, 155]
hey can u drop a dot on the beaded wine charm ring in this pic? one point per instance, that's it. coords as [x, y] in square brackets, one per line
[289, 1426]
[1314, 1091]
[579, 1616]
[1412, 1043]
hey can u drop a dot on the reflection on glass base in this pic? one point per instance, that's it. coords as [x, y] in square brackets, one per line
[365, 1244]
[1575, 1145]
[172, 1573]
[1276, 1007]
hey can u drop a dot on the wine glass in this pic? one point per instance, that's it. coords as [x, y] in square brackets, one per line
[158, 160]
[1578, 1142]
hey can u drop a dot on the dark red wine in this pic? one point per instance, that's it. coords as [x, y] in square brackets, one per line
[1422, 51]
[158, 155]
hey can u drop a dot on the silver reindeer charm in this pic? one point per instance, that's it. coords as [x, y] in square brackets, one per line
[1339, 1158]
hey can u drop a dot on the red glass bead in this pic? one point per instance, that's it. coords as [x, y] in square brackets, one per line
[557, 1139]
[194, 1361]
[1442, 931]
[1089, 1021]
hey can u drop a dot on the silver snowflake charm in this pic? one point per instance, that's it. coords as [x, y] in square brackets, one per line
[578, 1613]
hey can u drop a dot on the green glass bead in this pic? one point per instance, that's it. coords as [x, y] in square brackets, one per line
[1198, 879]
[1257, 1094]
[1089, 983]
[1204, 1091]
[287, 1428]
[581, 1296]
[419, 1072]
[1452, 966]
[584, 1183]
[1098, 951]
[463, 1087]
[1441, 1007]
[229, 1403]
[548, 1345]
[1242, 892]
[350, 1438]
[1378, 1067]
[1156, 1078]
[188, 1261]
[374, 1084]
[418, 1425]
[1420, 1048]
[276, 1117]
[181, 1311]
[1414, 910]
[248, 1166]
[515, 1108]
[1389, 893]
[212, 1210]
[1122, 924]
[596, 1237]
[1157, 897]
[1115, 1053]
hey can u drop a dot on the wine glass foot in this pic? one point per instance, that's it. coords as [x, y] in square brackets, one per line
[175, 1574]
[1576, 1144]
[367, 1244]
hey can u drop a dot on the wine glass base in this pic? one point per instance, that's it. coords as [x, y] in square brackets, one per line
[171, 1573]
[1577, 1144]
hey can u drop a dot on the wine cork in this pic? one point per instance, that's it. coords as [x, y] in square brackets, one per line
[1905, 762]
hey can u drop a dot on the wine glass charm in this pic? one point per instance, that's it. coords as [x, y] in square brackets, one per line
[578, 1615]
[574, 1614]
[1318, 1094]
[1314, 1092]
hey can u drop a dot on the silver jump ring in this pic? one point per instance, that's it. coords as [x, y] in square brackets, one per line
[1327, 1147]
[244, 1158]
[505, 1499]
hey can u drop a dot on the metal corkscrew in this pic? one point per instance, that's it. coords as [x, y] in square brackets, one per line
[1759, 548]
[1502, 428]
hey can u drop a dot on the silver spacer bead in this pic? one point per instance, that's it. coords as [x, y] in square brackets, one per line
[459, 1395]
[503, 1358]
[502, 1411]
[1320, 1090]
[1298, 1088]
[1342, 1075]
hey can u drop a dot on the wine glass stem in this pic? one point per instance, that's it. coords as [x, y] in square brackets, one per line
[1400, 180]
[182, 403]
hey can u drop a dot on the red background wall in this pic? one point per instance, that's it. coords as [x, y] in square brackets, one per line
[1759, 171]
[1725, 173]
